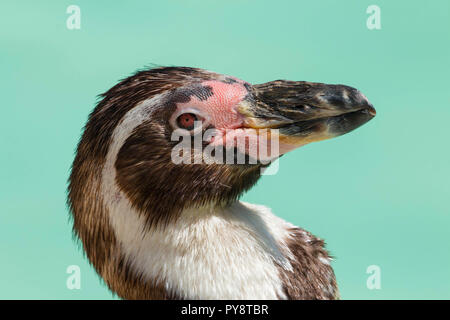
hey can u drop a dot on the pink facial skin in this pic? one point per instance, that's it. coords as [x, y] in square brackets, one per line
[220, 111]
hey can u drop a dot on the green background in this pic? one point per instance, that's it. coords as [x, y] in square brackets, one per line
[378, 196]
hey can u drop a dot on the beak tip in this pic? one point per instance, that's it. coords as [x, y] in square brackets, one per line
[371, 110]
[369, 107]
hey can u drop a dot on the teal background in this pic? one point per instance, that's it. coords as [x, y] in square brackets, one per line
[378, 196]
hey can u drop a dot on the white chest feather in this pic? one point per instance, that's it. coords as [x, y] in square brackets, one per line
[228, 254]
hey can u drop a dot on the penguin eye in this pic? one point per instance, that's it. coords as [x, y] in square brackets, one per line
[186, 121]
[189, 119]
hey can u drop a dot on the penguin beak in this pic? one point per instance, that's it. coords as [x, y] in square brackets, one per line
[305, 112]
